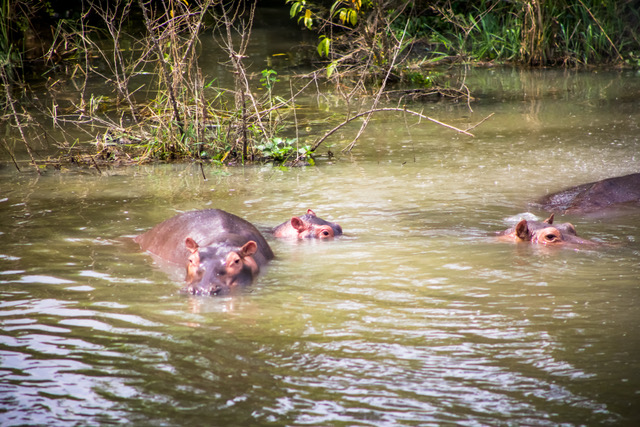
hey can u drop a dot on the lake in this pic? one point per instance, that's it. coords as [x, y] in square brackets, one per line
[416, 316]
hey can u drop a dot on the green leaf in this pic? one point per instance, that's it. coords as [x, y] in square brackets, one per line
[331, 68]
[323, 46]
[308, 21]
[296, 8]
[342, 14]
[353, 17]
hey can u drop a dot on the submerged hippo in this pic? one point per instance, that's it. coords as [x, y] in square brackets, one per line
[544, 233]
[595, 196]
[307, 226]
[221, 252]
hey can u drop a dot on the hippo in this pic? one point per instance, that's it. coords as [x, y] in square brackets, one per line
[220, 251]
[308, 225]
[544, 233]
[595, 196]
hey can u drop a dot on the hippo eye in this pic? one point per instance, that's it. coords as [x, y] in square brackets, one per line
[551, 237]
[325, 233]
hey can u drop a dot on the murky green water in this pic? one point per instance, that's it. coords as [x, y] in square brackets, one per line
[417, 316]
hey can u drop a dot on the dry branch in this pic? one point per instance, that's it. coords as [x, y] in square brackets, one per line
[404, 110]
[16, 117]
[163, 67]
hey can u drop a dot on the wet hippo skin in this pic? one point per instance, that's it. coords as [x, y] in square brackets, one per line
[220, 251]
[596, 196]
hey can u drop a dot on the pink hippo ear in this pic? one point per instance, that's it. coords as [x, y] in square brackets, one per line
[248, 249]
[549, 220]
[310, 212]
[298, 224]
[191, 245]
[522, 230]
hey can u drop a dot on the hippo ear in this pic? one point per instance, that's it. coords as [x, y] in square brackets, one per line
[191, 245]
[310, 212]
[522, 230]
[570, 228]
[298, 224]
[549, 220]
[248, 249]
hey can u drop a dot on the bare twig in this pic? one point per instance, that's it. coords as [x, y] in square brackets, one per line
[163, 67]
[16, 117]
[379, 94]
[243, 87]
[480, 122]
[93, 160]
[404, 110]
[8, 150]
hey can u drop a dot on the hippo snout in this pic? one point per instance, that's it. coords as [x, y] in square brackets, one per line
[208, 290]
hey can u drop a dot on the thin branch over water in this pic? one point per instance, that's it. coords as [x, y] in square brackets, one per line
[404, 110]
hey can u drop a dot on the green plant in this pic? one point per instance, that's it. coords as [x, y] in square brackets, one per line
[419, 78]
[281, 149]
[536, 32]
[10, 57]
[268, 81]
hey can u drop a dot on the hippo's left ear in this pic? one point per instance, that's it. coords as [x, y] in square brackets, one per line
[191, 245]
[549, 220]
[522, 230]
[298, 224]
[248, 249]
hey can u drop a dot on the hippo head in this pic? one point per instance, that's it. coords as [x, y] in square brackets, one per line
[306, 226]
[218, 269]
[545, 233]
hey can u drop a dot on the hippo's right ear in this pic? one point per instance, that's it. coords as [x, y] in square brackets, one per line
[522, 230]
[311, 213]
[191, 245]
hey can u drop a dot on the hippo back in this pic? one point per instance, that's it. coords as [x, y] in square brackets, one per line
[207, 227]
[595, 196]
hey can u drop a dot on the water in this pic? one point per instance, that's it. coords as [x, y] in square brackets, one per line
[417, 316]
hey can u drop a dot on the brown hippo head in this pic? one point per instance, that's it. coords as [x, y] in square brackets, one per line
[219, 268]
[544, 233]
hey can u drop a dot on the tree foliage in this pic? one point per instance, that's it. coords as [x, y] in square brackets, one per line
[529, 32]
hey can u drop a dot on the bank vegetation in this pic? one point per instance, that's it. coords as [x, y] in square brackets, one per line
[163, 106]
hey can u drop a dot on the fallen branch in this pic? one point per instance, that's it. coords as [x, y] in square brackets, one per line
[366, 120]
[404, 110]
[480, 122]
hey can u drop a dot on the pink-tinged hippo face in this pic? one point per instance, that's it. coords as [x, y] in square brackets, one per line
[544, 233]
[307, 226]
[219, 269]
